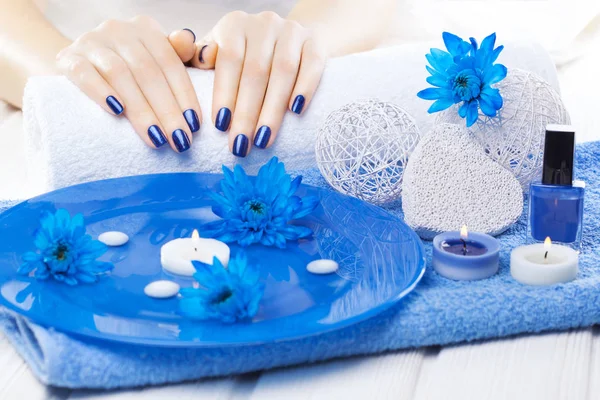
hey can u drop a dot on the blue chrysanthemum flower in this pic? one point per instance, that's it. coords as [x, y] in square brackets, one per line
[464, 74]
[226, 294]
[64, 251]
[258, 210]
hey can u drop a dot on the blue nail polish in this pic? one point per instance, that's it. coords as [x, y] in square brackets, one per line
[156, 136]
[262, 137]
[223, 119]
[200, 58]
[298, 104]
[192, 32]
[240, 145]
[191, 117]
[181, 140]
[114, 105]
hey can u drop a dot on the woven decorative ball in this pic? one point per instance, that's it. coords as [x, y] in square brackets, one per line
[515, 137]
[363, 147]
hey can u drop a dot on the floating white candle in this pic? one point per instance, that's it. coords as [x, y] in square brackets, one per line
[322, 266]
[177, 255]
[544, 264]
[161, 289]
[113, 238]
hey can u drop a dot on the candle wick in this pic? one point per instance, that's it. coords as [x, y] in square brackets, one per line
[195, 249]
[464, 250]
[546, 255]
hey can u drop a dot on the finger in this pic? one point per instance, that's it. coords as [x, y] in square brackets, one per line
[206, 55]
[312, 64]
[157, 92]
[286, 62]
[228, 70]
[83, 74]
[184, 43]
[176, 75]
[115, 71]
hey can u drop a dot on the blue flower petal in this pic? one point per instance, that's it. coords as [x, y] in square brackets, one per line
[494, 74]
[487, 107]
[440, 105]
[439, 59]
[455, 45]
[439, 80]
[472, 113]
[434, 93]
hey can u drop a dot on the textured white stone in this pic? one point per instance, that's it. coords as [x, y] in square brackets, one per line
[113, 238]
[450, 181]
[322, 266]
[161, 289]
[515, 138]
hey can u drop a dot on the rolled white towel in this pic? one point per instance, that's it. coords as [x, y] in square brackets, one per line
[70, 139]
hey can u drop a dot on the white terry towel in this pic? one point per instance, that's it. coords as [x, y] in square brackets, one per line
[70, 139]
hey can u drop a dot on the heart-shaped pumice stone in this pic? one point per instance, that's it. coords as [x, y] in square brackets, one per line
[449, 182]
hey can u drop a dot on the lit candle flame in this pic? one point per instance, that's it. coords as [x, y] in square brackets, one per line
[195, 235]
[547, 247]
[464, 233]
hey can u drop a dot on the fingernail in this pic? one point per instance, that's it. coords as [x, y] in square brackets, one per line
[262, 137]
[223, 119]
[114, 105]
[298, 104]
[192, 32]
[200, 58]
[191, 117]
[240, 145]
[157, 136]
[181, 140]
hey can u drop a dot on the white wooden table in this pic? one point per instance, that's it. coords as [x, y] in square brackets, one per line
[549, 366]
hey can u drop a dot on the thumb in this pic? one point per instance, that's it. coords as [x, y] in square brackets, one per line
[183, 41]
[205, 55]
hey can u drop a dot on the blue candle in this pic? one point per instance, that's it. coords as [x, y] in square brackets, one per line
[465, 255]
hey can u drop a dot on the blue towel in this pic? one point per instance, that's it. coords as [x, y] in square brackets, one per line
[438, 312]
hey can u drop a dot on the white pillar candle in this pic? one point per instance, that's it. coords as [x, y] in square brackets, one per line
[544, 264]
[177, 255]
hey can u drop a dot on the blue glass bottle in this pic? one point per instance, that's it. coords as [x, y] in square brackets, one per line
[556, 203]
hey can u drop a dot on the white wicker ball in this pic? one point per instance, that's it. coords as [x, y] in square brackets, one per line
[363, 147]
[515, 138]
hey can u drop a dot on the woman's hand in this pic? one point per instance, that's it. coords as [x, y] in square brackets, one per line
[132, 68]
[264, 65]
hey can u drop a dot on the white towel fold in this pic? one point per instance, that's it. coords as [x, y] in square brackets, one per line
[70, 139]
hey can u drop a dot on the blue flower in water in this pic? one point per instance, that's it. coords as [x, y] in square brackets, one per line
[464, 74]
[258, 210]
[64, 251]
[226, 294]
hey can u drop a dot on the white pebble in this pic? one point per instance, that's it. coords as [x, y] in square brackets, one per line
[113, 238]
[322, 266]
[161, 289]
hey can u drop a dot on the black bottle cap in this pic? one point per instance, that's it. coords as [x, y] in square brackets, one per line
[559, 151]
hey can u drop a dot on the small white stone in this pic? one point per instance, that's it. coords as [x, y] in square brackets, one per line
[450, 182]
[113, 238]
[322, 266]
[161, 289]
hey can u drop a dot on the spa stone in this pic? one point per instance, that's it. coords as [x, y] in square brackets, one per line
[322, 266]
[450, 182]
[113, 238]
[161, 289]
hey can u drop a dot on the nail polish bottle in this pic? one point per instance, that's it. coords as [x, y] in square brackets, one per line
[556, 203]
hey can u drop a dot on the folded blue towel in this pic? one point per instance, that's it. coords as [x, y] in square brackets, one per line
[439, 312]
